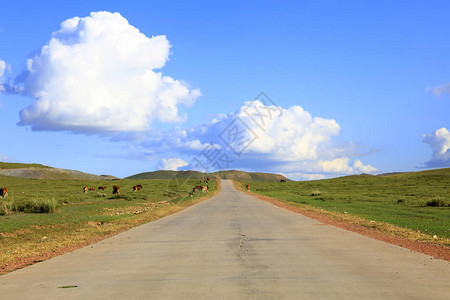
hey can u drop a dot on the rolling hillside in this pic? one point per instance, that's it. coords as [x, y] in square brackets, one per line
[37, 171]
[229, 174]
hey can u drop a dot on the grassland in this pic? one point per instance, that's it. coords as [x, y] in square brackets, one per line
[76, 218]
[4, 165]
[403, 200]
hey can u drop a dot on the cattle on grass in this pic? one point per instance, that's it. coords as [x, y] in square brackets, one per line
[92, 189]
[205, 189]
[3, 192]
[101, 188]
[136, 188]
[282, 181]
[247, 187]
[85, 189]
[116, 190]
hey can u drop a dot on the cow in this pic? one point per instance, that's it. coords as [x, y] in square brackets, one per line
[136, 188]
[139, 186]
[85, 189]
[205, 189]
[247, 187]
[282, 181]
[101, 188]
[197, 188]
[92, 189]
[116, 190]
[3, 193]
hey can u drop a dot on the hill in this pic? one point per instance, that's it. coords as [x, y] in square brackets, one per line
[229, 174]
[38, 171]
[166, 174]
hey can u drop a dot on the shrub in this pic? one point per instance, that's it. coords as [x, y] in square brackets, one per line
[316, 193]
[35, 206]
[436, 202]
[6, 207]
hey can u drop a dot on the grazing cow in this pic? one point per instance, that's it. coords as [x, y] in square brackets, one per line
[3, 192]
[194, 190]
[92, 189]
[247, 187]
[116, 190]
[85, 189]
[102, 188]
[205, 189]
[282, 180]
[136, 188]
[139, 186]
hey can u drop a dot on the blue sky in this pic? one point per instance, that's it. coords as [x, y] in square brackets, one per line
[355, 86]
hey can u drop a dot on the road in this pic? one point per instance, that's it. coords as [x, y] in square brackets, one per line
[234, 246]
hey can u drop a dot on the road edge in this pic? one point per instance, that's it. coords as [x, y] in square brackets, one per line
[435, 251]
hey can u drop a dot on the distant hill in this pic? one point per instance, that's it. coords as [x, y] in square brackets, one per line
[37, 171]
[250, 176]
[165, 174]
[229, 174]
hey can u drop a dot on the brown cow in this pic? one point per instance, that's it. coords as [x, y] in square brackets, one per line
[139, 186]
[85, 189]
[92, 189]
[205, 189]
[136, 188]
[101, 188]
[116, 190]
[247, 187]
[3, 192]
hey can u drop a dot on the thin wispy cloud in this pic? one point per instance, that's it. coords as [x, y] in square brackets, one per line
[442, 89]
[2, 72]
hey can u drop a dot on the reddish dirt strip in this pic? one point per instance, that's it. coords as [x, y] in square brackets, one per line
[436, 251]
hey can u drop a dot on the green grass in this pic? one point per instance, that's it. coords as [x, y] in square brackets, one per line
[417, 201]
[4, 165]
[50, 202]
[41, 217]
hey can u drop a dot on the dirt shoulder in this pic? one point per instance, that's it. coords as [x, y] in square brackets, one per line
[382, 232]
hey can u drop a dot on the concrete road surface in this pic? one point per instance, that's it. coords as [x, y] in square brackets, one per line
[234, 246]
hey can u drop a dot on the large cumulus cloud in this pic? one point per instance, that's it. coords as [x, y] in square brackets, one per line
[439, 141]
[100, 74]
[265, 137]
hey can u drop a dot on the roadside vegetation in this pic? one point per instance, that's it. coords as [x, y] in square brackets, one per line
[52, 216]
[418, 201]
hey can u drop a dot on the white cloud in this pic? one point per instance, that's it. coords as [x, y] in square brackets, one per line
[262, 137]
[442, 89]
[2, 71]
[359, 166]
[99, 74]
[5, 158]
[439, 141]
[2, 67]
[304, 176]
[172, 164]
